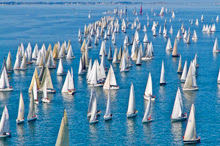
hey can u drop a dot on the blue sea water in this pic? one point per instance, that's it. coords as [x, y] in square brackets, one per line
[51, 23]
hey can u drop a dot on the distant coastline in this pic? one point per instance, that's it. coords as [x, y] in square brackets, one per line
[97, 3]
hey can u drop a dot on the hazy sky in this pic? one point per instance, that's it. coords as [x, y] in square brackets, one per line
[146, 1]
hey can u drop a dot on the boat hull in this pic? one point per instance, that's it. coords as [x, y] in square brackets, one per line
[45, 100]
[191, 141]
[147, 121]
[93, 122]
[191, 89]
[19, 121]
[176, 55]
[32, 119]
[147, 98]
[107, 118]
[6, 90]
[146, 58]
[161, 84]
[178, 119]
[61, 74]
[6, 135]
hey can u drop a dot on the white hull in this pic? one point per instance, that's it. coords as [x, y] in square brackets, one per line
[113, 88]
[6, 90]
[32, 119]
[61, 74]
[45, 100]
[93, 122]
[19, 121]
[7, 135]
[106, 118]
[147, 121]
[190, 89]
[146, 58]
[147, 98]
[132, 115]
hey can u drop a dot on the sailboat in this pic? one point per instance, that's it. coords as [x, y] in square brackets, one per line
[145, 39]
[177, 113]
[4, 82]
[124, 64]
[162, 75]
[9, 63]
[149, 91]
[147, 117]
[132, 112]
[218, 80]
[70, 54]
[180, 70]
[60, 70]
[178, 36]
[108, 115]
[190, 133]
[109, 53]
[194, 37]
[5, 124]
[68, 86]
[161, 12]
[63, 135]
[45, 98]
[110, 82]
[174, 53]
[20, 118]
[215, 47]
[141, 10]
[190, 83]
[31, 114]
[139, 60]
[92, 96]
[93, 118]
[115, 56]
[47, 78]
[36, 101]
[184, 74]
[169, 45]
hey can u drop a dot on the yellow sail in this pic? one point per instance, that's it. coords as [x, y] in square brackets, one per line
[83, 46]
[46, 78]
[63, 135]
[35, 75]
[55, 51]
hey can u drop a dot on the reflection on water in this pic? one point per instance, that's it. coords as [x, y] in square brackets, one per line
[21, 133]
[32, 128]
[131, 130]
[93, 132]
[4, 96]
[60, 80]
[67, 97]
[176, 130]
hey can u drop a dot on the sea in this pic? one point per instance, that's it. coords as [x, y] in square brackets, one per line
[51, 23]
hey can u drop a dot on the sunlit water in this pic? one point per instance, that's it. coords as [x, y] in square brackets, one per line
[49, 24]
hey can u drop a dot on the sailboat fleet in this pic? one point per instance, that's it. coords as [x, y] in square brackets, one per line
[134, 51]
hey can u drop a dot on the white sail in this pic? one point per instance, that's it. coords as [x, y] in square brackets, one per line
[68, 84]
[179, 70]
[131, 104]
[184, 74]
[190, 83]
[194, 37]
[161, 11]
[23, 63]
[139, 61]
[190, 133]
[46, 78]
[162, 75]
[215, 47]
[5, 123]
[35, 90]
[115, 57]
[17, 62]
[178, 35]
[92, 95]
[93, 111]
[45, 91]
[110, 80]
[63, 135]
[145, 38]
[9, 62]
[80, 71]
[178, 106]
[108, 106]
[169, 45]
[147, 111]
[149, 90]
[21, 108]
[31, 113]
[60, 69]
[218, 80]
